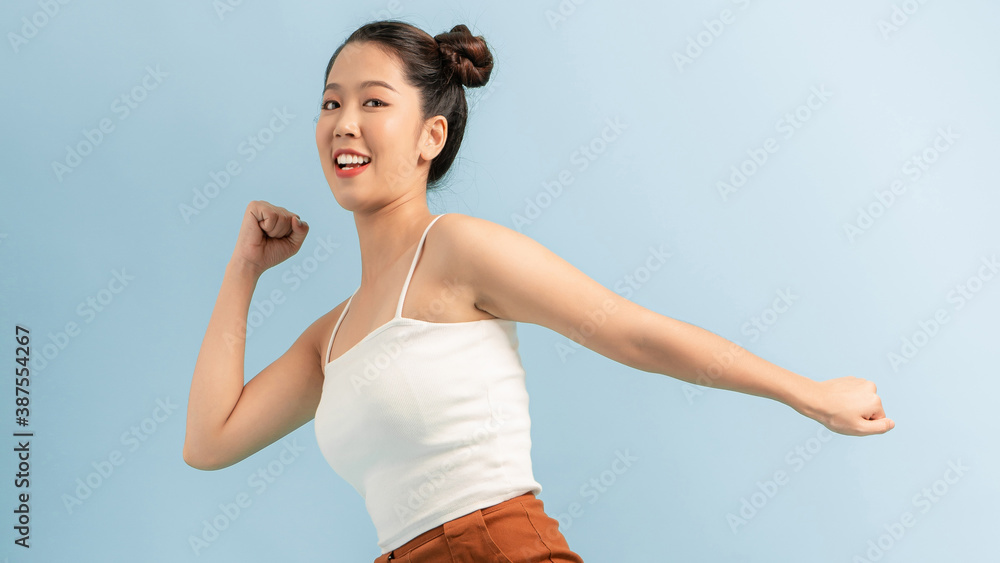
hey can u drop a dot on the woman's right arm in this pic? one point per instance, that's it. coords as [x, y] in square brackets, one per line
[228, 421]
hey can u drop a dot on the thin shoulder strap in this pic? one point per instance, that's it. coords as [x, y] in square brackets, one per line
[413, 265]
[326, 358]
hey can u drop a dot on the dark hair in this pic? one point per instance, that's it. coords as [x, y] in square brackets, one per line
[438, 67]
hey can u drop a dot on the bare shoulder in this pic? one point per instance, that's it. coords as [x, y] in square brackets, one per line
[451, 224]
[463, 241]
[460, 233]
[515, 277]
[493, 260]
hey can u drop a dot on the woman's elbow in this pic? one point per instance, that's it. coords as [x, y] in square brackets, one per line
[201, 462]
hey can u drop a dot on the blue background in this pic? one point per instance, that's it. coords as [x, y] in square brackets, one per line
[699, 454]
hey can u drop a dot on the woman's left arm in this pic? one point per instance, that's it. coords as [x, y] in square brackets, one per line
[846, 405]
[514, 277]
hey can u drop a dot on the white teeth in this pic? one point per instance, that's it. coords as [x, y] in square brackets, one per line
[352, 159]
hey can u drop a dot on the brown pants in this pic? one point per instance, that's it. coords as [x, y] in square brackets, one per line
[516, 530]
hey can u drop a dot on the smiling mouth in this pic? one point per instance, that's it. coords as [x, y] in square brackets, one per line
[351, 170]
[352, 165]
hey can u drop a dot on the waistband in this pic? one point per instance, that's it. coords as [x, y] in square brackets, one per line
[427, 536]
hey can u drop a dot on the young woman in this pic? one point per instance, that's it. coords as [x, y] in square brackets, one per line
[415, 381]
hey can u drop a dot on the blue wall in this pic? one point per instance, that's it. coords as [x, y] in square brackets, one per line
[814, 182]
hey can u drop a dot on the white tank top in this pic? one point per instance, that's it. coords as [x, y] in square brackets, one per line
[427, 421]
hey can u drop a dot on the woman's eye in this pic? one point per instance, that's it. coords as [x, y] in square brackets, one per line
[326, 104]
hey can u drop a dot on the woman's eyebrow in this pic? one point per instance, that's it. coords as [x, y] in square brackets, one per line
[365, 84]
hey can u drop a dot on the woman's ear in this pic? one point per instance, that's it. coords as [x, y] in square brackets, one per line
[434, 136]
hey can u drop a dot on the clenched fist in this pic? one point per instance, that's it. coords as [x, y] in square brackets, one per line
[849, 405]
[268, 236]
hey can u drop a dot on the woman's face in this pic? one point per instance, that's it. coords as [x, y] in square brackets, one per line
[381, 121]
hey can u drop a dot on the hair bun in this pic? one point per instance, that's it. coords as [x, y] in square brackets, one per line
[465, 57]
